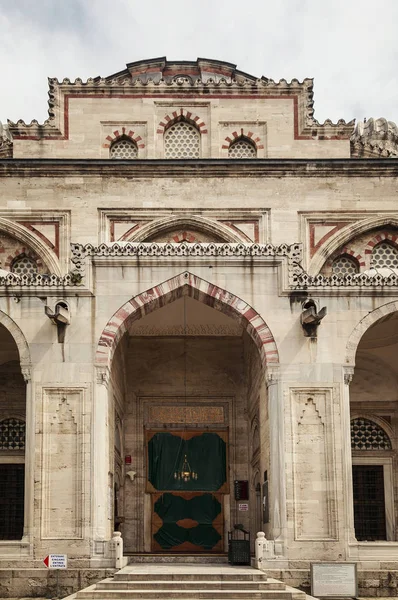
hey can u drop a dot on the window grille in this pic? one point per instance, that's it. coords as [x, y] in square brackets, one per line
[182, 140]
[11, 501]
[124, 149]
[343, 265]
[242, 149]
[12, 434]
[369, 502]
[23, 265]
[367, 435]
[384, 255]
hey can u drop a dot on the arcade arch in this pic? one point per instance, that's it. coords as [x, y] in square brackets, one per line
[187, 363]
[14, 368]
[374, 425]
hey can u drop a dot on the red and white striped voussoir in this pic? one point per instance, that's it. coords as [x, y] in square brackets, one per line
[174, 288]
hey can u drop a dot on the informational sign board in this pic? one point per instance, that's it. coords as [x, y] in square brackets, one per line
[334, 580]
[243, 507]
[56, 561]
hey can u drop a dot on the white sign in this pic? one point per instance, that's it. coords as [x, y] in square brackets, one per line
[334, 579]
[243, 507]
[56, 561]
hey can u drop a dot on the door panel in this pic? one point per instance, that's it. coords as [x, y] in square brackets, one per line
[187, 522]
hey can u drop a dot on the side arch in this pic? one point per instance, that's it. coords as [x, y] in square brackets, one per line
[343, 236]
[363, 326]
[218, 230]
[30, 239]
[19, 338]
[186, 284]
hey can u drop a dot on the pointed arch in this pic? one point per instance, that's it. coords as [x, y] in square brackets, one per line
[218, 230]
[186, 284]
[343, 236]
[363, 325]
[19, 339]
[29, 238]
[178, 115]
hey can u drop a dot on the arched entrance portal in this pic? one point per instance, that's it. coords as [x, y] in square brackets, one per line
[188, 403]
[374, 426]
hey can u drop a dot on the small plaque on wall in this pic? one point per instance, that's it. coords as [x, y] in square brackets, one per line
[334, 580]
[241, 489]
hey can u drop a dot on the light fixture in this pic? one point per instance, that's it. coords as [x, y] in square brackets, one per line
[185, 473]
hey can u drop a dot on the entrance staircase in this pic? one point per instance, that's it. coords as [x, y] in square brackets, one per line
[171, 581]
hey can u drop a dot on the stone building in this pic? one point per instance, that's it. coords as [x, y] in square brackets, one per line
[198, 322]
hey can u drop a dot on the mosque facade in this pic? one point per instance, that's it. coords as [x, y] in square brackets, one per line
[198, 322]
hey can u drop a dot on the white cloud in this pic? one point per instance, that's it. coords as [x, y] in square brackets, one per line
[350, 50]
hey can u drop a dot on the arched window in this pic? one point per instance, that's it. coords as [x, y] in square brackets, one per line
[368, 435]
[24, 265]
[344, 265]
[12, 434]
[182, 140]
[242, 148]
[124, 148]
[384, 255]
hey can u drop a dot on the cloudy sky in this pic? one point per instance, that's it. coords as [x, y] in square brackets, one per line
[350, 47]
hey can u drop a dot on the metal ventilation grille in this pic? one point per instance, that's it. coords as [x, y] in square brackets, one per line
[182, 140]
[367, 435]
[24, 265]
[126, 149]
[242, 149]
[12, 434]
[384, 255]
[343, 265]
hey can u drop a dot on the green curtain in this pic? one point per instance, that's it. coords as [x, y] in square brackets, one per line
[203, 509]
[206, 455]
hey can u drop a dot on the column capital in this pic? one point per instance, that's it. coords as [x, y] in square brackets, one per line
[26, 371]
[103, 375]
[272, 374]
[348, 373]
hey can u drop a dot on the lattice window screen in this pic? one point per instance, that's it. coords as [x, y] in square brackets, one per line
[242, 149]
[384, 255]
[182, 140]
[343, 265]
[12, 434]
[367, 435]
[23, 265]
[126, 149]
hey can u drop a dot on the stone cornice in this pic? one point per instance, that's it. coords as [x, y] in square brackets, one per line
[294, 280]
[202, 168]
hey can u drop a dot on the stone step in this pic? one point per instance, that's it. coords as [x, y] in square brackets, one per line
[178, 559]
[233, 576]
[229, 584]
[194, 594]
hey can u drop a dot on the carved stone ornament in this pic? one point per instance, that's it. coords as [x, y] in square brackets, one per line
[6, 143]
[375, 138]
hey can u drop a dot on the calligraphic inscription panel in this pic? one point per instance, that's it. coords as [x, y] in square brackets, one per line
[174, 414]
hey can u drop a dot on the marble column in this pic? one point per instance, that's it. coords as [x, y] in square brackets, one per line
[277, 458]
